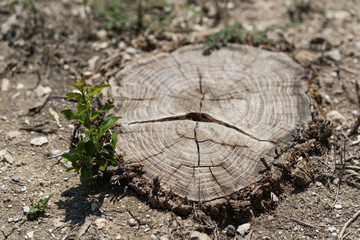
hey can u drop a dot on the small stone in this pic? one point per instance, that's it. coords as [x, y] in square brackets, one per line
[55, 152]
[94, 206]
[332, 229]
[39, 141]
[131, 50]
[41, 91]
[122, 45]
[92, 63]
[88, 74]
[5, 85]
[27, 122]
[58, 223]
[16, 219]
[164, 237]
[102, 35]
[23, 189]
[335, 116]
[30, 235]
[340, 15]
[19, 86]
[100, 223]
[295, 229]
[8, 158]
[338, 128]
[313, 193]
[16, 179]
[334, 54]
[4, 118]
[338, 206]
[273, 197]
[153, 237]
[132, 222]
[118, 237]
[12, 135]
[26, 209]
[103, 45]
[10, 220]
[199, 236]
[230, 230]
[243, 229]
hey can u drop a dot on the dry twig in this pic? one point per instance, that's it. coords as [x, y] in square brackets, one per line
[347, 224]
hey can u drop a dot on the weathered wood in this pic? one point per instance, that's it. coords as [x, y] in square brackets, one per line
[201, 123]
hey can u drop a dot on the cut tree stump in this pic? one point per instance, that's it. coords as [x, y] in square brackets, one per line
[201, 124]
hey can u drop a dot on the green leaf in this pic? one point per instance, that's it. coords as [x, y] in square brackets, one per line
[105, 126]
[80, 148]
[70, 157]
[90, 148]
[84, 119]
[74, 96]
[96, 113]
[13, 3]
[107, 106]
[86, 172]
[102, 168]
[69, 114]
[114, 139]
[97, 88]
[46, 200]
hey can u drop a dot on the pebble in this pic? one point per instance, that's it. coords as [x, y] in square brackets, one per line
[153, 237]
[243, 229]
[338, 206]
[338, 128]
[39, 141]
[16, 219]
[334, 54]
[92, 62]
[230, 230]
[55, 152]
[94, 206]
[332, 229]
[58, 223]
[130, 50]
[5, 85]
[100, 223]
[273, 197]
[30, 235]
[16, 178]
[26, 209]
[41, 91]
[295, 229]
[23, 189]
[19, 86]
[102, 34]
[335, 116]
[12, 135]
[8, 158]
[199, 236]
[10, 220]
[122, 45]
[132, 222]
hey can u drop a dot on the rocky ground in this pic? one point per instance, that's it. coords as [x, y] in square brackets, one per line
[45, 46]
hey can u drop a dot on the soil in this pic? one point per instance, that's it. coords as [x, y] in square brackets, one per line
[47, 47]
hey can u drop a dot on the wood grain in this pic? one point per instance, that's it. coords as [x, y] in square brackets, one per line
[202, 123]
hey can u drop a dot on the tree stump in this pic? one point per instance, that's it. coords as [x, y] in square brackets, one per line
[201, 124]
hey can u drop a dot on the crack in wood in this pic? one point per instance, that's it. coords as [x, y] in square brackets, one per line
[202, 117]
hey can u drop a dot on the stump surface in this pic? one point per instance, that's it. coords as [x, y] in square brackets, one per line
[201, 123]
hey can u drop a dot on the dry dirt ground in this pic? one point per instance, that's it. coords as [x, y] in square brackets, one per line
[48, 50]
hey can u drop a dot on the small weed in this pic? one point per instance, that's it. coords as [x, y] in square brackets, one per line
[92, 150]
[39, 208]
[238, 34]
